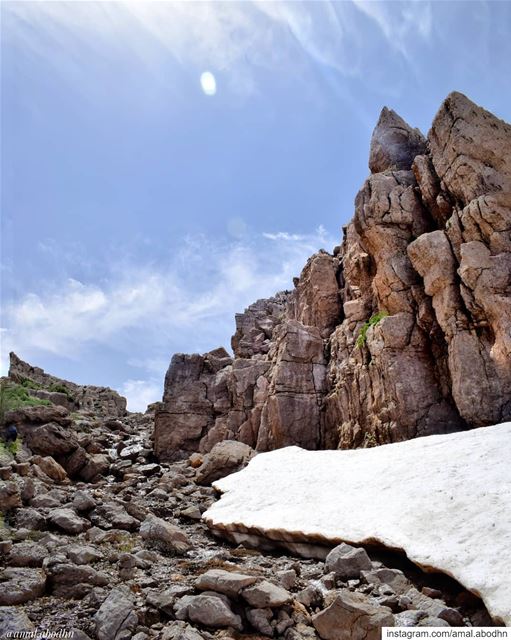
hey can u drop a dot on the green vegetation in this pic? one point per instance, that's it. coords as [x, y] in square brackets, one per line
[15, 396]
[372, 322]
[10, 448]
[126, 544]
[29, 384]
[58, 388]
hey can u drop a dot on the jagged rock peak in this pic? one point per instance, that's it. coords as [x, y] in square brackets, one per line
[394, 144]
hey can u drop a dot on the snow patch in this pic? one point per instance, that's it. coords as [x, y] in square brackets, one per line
[445, 500]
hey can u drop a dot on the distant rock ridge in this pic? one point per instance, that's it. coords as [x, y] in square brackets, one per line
[404, 331]
[102, 401]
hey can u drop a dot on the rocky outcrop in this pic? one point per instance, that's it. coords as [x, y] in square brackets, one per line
[403, 332]
[102, 401]
[130, 557]
[387, 495]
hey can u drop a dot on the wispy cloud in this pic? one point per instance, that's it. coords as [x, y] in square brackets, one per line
[400, 22]
[147, 312]
[232, 38]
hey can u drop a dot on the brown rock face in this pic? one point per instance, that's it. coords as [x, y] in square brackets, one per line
[404, 332]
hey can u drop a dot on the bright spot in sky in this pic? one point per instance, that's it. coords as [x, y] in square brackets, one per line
[208, 83]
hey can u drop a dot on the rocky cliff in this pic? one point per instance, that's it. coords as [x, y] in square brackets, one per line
[404, 331]
[101, 401]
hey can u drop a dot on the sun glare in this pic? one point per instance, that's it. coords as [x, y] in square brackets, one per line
[208, 83]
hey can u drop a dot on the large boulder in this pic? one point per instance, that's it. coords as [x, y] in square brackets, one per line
[265, 594]
[225, 458]
[347, 561]
[21, 585]
[116, 619]
[68, 580]
[39, 414]
[351, 617]
[229, 583]
[212, 610]
[67, 520]
[14, 621]
[164, 536]
[51, 468]
[50, 439]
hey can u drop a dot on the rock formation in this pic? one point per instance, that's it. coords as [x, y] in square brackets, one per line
[101, 401]
[445, 500]
[404, 331]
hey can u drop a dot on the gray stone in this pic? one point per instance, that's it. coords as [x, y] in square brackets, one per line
[179, 630]
[287, 578]
[20, 585]
[83, 501]
[392, 577]
[29, 518]
[260, 620]
[10, 497]
[209, 609]
[265, 594]
[68, 580]
[13, 621]
[164, 536]
[347, 561]
[45, 501]
[433, 607]
[165, 600]
[83, 554]
[429, 621]
[27, 554]
[311, 596]
[351, 617]
[226, 582]
[116, 618]
[192, 513]
[112, 514]
[68, 520]
[409, 618]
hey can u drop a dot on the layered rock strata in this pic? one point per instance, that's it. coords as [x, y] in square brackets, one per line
[404, 331]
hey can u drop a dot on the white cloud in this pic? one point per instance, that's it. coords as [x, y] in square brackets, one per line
[140, 393]
[145, 313]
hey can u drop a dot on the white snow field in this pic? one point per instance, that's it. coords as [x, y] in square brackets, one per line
[445, 500]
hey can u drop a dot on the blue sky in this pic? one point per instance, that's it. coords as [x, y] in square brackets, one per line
[140, 211]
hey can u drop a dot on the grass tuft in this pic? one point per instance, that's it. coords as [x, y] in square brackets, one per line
[372, 322]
